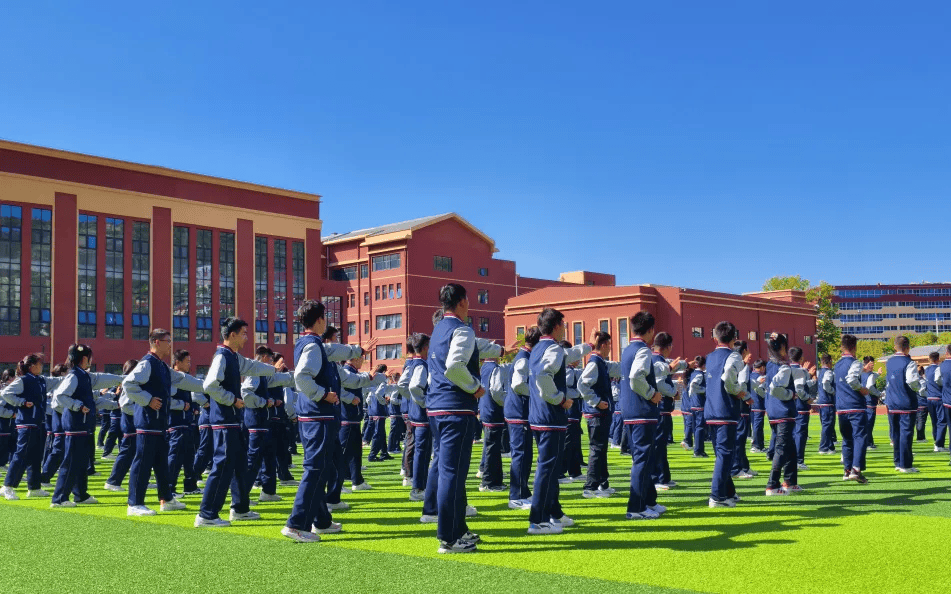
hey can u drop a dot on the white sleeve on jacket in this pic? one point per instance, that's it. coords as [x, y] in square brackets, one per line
[661, 371]
[589, 377]
[552, 360]
[248, 388]
[339, 353]
[577, 353]
[870, 385]
[307, 369]
[520, 377]
[777, 389]
[132, 384]
[496, 386]
[103, 381]
[184, 381]
[461, 347]
[854, 377]
[11, 392]
[911, 376]
[731, 374]
[488, 349]
[212, 383]
[827, 386]
[62, 395]
[418, 384]
[638, 375]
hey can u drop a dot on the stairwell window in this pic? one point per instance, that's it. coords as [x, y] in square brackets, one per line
[442, 263]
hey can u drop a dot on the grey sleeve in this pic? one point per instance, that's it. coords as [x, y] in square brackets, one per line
[520, 377]
[743, 377]
[339, 353]
[212, 383]
[661, 371]
[696, 385]
[461, 348]
[777, 389]
[281, 379]
[854, 377]
[638, 375]
[11, 392]
[252, 400]
[937, 377]
[307, 369]
[731, 374]
[418, 384]
[589, 377]
[552, 360]
[184, 381]
[827, 383]
[62, 395]
[488, 349]
[614, 369]
[403, 384]
[132, 384]
[496, 386]
[911, 376]
[258, 368]
[870, 385]
[102, 381]
[577, 353]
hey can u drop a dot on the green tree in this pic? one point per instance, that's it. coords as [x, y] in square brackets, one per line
[828, 335]
[786, 283]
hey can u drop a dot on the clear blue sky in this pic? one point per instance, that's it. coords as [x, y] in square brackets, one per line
[661, 141]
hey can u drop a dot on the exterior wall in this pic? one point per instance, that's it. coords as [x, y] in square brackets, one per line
[885, 311]
[73, 185]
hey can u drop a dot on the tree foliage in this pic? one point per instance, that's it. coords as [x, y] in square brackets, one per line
[827, 333]
[786, 283]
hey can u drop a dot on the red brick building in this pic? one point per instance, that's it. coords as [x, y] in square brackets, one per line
[384, 282]
[98, 251]
[688, 315]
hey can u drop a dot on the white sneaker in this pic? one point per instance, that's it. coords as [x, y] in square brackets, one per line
[47, 486]
[403, 472]
[545, 528]
[417, 495]
[346, 491]
[779, 491]
[201, 522]
[66, 503]
[635, 516]
[520, 504]
[139, 510]
[565, 480]
[172, 505]
[650, 514]
[727, 503]
[342, 506]
[253, 503]
[744, 475]
[109, 458]
[334, 528]
[424, 519]
[478, 474]
[472, 512]
[657, 508]
[245, 517]
[564, 521]
[291, 483]
[365, 486]
[911, 470]
[588, 494]
[407, 482]
[9, 494]
[300, 535]
[113, 488]
[88, 501]
[802, 467]
[753, 472]
[940, 449]
[37, 493]
[268, 497]
[662, 487]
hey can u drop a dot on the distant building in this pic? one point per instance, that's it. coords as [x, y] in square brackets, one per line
[688, 315]
[384, 282]
[885, 311]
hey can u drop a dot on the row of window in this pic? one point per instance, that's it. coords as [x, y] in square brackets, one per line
[866, 317]
[380, 293]
[866, 304]
[864, 292]
[390, 262]
[925, 316]
[926, 304]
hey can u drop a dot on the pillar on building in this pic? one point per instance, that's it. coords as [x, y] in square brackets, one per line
[65, 241]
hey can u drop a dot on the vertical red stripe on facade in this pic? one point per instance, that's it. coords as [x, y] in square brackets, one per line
[65, 242]
[244, 281]
[160, 303]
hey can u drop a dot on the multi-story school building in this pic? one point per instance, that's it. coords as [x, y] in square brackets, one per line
[688, 315]
[98, 251]
[384, 282]
[885, 311]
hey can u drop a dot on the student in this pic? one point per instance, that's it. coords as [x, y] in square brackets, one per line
[378, 414]
[350, 379]
[26, 394]
[229, 465]
[451, 404]
[594, 386]
[280, 426]
[872, 398]
[903, 383]
[758, 407]
[114, 433]
[402, 386]
[55, 437]
[851, 410]
[75, 396]
[354, 385]
[663, 375]
[781, 410]
[7, 413]
[516, 418]
[491, 415]
[685, 412]
[548, 404]
[570, 469]
[803, 403]
[258, 408]
[741, 462]
[826, 405]
[639, 400]
[123, 462]
[939, 422]
[921, 415]
[185, 398]
[418, 418]
[697, 389]
[395, 414]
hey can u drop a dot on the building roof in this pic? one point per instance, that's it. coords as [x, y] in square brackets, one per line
[403, 230]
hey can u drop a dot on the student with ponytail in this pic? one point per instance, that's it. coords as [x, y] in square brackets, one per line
[120, 468]
[781, 410]
[55, 437]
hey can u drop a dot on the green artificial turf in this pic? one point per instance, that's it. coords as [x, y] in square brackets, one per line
[817, 541]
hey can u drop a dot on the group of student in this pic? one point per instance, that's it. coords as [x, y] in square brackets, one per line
[453, 388]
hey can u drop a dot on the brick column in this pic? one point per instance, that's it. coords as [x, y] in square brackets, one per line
[244, 278]
[65, 244]
[160, 300]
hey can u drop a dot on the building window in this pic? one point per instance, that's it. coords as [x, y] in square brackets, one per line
[344, 274]
[696, 332]
[389, 351]
[364, 271]
[203, 307]
[86, 277]
[115, 271]
[483, 296]
[483, 324]
[226, 275]
[751, 335]
[180, 276]
[807, 339]
[351, 328]
[389, 322]
[399, 290]
[577, 332]
[442, 263]
[519, 332]
[260, 290]
[332, 310]
[483, 272]
[366, 298]
[280, 290]
[366, 326]
[766, 335]
[297, 265]
[352, 300]
[392, 295]
[41, 277]
[469, 321]
[604, 326]
[622, 337]
[140, 280]
[387, 262]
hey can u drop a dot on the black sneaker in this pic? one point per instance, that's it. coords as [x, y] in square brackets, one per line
[374, 459]
[873, 447]
[701, 455]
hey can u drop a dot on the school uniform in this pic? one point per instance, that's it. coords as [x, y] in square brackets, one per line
[687, 416]
[104, 421]
[741, 462]
[660, 473]
[698, 398]
[937, 412]
[851, 411]
[7, 414]
[515, 412]
[30, 429]
[280, 433]
[922, 415]
[640, 416]
[493, 377]
[782, 414]
[594, 386]
[257, 412]
[346, 458]
[72, 394]
[377, 411]
[903, 383]
[114, 433]
[803, 411]
[206, 440]
[396, 420]
[548, 389]
[127, 444]
[757, 412]
[409, 444]
[722, 415]
[826, 405]
[572, 458]
[419, 423]
[871, 405]
[230, 458]
[181, 443]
